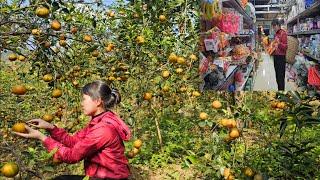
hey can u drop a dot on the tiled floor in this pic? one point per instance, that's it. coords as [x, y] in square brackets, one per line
[266, 78]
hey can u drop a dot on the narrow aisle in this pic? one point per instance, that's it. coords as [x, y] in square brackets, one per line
[266, 76]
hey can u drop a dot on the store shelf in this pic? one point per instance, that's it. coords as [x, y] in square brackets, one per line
[240, 35]
[251, 65]
[311, 56]
[317, 31]
[308, 12]
[229, 78]
[237, 6]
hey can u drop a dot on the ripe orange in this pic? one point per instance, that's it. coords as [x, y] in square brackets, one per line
[216, 104]
[274, 104]
[35, 32]
[147, 96]
[193, 57]
[162, 18]
[196, 93]
[10, 169]
[173, 58]
[12, 57]
[140, 40]
[181, 60]
[130, 154]
[63, 43]
[281, 105]
[234, 133]
[87, 38]
[56, 93]
[258, 177]
[179, 70]
[95, 53]
[248, 172]
[55, 25]
[21, 58]
[42, 12]
[203, 116]
[19, 127]
[226, 172]
[47, 117]
[19, 89]
[166, 88]
[137, 143]
[135, 151]
[74, 30]
[47, 78]
[165, 74]
[111, 14]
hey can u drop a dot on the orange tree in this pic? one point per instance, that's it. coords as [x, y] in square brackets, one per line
[147, 49]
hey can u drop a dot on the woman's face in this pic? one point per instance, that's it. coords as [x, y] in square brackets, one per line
[89, 106]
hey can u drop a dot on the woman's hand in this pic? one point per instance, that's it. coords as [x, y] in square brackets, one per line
[32, 133]
[39, 123]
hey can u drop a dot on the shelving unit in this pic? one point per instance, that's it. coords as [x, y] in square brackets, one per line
[317, 31]
[244, 37]
[249, 70]
[312, 11]
[237, 6]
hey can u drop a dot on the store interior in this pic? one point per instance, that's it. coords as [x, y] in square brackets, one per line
[236, 44]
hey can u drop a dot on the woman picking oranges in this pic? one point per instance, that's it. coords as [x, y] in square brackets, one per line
[99, 144]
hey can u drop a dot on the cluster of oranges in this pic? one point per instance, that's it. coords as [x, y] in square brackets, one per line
[136, 148]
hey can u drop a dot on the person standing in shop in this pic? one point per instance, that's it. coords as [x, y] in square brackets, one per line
[280, 53]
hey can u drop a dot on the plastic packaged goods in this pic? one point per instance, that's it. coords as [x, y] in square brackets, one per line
[309, 24]
[318, 22]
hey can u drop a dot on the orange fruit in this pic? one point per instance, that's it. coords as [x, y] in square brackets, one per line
[10, 169]
[173, 58]
[55, 25]
[42, 12]
[281, 105]
[165, 74]
[111, 14]
[196, 93]
[248, 172]
[35, 32]
[258, 177]
[137, 143]
[56, 93]
[21, 58]
[193, 57]
[203, 116]
[274, 104]
[135, 151]
[162, 18]
[234, 133]
[47, 117]
[63, 43]
[12, 57]
[95, 53]
[216, 104]
[19, 127]
[74, 30]
[62, 37]
[47, 78]
[87, 38]
[147, 96]
[179, 70]
[166, 88]
[130, 154]
[226, 172]
[47, 44]
[140, 40]
[181, 60]
[19, 89]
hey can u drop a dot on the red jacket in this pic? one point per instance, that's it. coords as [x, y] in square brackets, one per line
[100, 144]
[281, 35]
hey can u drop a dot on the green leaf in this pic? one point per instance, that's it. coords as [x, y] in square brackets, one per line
[92, 48]
[202, 124]
[283, 126]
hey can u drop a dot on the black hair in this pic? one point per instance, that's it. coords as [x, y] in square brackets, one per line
[276, 22]
[101, 90]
